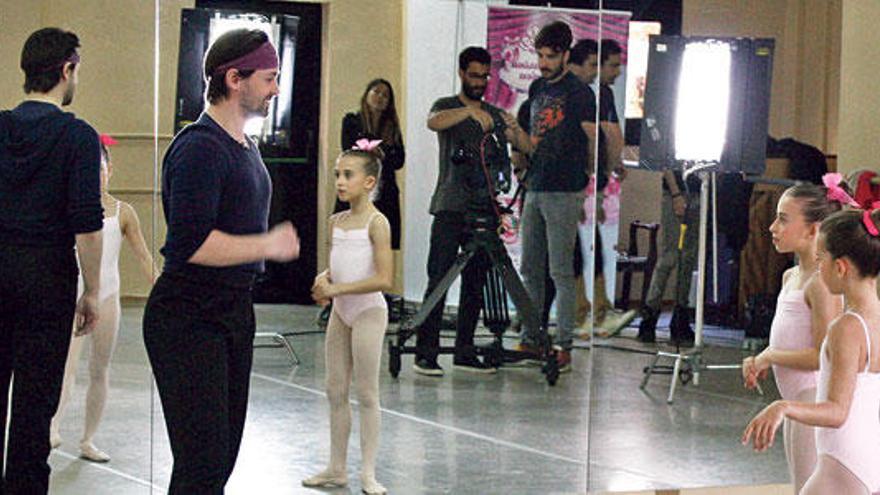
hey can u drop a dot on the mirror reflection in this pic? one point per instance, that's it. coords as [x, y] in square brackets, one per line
[77, 162]
[712, 156]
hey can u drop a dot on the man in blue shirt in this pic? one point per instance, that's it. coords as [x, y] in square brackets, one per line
[50, 200]
[199, 321]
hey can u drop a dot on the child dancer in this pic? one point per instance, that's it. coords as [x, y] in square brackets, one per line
[803, 311]
[121, 222]
[361, 268]
[848, 399]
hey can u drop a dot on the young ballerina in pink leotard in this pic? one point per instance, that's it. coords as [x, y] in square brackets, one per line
[847, 403]
[803, 311]
[361, 268]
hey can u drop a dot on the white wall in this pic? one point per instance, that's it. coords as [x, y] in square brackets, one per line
[436, 30]
[859, 86]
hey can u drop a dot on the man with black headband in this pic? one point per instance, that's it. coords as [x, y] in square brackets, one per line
[199, 321]
[50, 201]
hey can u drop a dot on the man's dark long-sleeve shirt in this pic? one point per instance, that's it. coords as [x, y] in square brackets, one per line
[50, 176]
[210, 181]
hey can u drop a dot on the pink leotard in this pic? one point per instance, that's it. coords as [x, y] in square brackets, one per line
[856, 443]
[791, 331]
[351, 260]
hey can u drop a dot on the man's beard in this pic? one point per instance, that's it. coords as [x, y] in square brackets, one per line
[67, 99]
[257, 109]
[553, 74]
[473, 93]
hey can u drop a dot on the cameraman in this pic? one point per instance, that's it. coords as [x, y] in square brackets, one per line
[461, 122]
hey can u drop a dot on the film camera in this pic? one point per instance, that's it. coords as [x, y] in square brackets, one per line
[484, 162]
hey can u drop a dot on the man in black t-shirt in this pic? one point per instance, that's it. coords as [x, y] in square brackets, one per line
[558, 165]
[461, 122]
[584, 64]
[608, 119]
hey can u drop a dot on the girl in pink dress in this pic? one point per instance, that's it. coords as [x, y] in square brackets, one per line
[804, 309]
[361, 268]
[845, 412]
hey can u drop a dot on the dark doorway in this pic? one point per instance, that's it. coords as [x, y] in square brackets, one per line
[287, 138]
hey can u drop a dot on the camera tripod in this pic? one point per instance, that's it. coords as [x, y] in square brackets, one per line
[501, 279]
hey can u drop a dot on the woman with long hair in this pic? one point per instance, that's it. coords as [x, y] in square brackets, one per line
[377, 119]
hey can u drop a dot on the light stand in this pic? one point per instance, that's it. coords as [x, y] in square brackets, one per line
[700, 133]
[691, 363]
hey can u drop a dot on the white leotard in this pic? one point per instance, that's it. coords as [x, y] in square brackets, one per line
[112, 244]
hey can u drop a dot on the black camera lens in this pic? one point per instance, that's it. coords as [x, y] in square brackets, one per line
[460, 156]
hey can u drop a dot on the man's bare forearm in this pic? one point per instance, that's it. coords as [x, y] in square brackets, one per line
[444, 119]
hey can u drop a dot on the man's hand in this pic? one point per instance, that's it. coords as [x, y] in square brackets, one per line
[483, 118]
[283, 243]
[679, 206]
[515, 134]
[86, 313]
[510, 121]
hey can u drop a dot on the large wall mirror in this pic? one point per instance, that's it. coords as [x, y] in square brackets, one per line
[657, 421]
[101, 431]
[595, 413]
[439, 433]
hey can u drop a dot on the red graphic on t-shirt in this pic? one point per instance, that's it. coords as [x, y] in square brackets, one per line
[549, 117]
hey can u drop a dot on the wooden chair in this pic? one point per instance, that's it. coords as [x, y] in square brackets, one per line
[630, 261]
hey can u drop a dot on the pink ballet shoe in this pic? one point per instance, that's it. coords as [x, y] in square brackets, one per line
[372, 487]
[89, 452]
[326, 479]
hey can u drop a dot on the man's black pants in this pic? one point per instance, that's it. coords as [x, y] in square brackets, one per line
[199, 338]
[449, 232]
[37, 303]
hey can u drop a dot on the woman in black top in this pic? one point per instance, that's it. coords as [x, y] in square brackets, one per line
[377, 119]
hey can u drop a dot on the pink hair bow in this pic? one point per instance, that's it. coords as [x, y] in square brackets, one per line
[868, 221]
[107, 140]
[367, 145]
[835, 192]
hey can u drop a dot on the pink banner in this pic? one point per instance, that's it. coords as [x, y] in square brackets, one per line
[511, 34]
